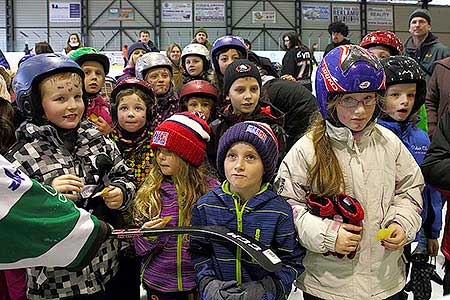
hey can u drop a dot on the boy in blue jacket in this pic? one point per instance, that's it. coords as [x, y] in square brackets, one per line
[405, 94]
[247, 156]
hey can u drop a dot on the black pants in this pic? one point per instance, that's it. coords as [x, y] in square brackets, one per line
[307, 296]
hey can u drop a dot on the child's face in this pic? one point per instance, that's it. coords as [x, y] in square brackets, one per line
[355, 110]
[94, 77]
[244, 168]
[380, 52]
[200, 104]
[244, 95]
[194, 65]
[399, 100]
[62, 101]
[168, 162]
[135, 56]
[131, 113]
[227, 58]
[159, 79]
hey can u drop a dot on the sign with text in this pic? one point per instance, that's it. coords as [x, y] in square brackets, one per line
[178, 12]
[347, 14]
[264, 16]
[121, 14]
[61, 12]
[381, 16]
[316, 12]
[210, 12]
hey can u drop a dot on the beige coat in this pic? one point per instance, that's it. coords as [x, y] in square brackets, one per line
[381, 173]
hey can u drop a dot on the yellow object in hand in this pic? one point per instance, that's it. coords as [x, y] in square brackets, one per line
[93, 117]
[167, 219]
[383, 233]
[104, 192]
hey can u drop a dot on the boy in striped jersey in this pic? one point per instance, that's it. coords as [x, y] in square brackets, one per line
[247, 157]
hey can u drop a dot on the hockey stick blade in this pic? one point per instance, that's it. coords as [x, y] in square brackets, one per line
[262, 254]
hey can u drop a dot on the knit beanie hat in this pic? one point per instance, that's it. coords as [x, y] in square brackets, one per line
[138, 45]
[260, 136]
[238, 69]
[201, 29]
[185, 134]
[420, 12]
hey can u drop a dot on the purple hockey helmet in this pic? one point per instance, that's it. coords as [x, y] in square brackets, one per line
[226, 42]
[347, 69]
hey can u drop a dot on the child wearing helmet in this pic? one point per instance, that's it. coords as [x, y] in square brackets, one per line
[156, 69]
[195, 61]
[346, 179]
[199, 96]
[405, 94]
[382, 44]
[95, 67]
[57, 146]
[135, 51]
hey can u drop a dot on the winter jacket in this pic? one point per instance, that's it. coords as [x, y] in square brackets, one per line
[99, 107]
[435, 168]
[264, 112]
[177, 77]
[297, 63]
[265, 216]
[295, 101]
[41, 154]
[381, 173]
[166, 262]
[438, 94]
[332, 45]
[417, 142]
[128, 72]
[166, 106]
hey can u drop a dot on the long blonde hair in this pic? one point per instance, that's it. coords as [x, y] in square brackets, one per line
[191, 184]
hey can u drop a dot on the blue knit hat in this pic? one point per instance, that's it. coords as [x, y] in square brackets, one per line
[257, 134]
[138, 45]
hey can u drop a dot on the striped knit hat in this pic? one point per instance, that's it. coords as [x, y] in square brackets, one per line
[260, 136]
[184, 134]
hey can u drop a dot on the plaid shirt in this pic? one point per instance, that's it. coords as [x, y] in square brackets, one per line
[41, 154]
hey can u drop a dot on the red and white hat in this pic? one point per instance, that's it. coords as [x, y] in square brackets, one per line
[185, 134]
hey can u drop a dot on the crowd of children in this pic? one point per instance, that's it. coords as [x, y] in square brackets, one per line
[197, 137]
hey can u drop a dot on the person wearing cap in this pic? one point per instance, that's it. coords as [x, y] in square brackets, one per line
[247, 157]
[201, 37]
[166, 199]
[135, 51]
[242, 89]
[95, 66]
[338, 31]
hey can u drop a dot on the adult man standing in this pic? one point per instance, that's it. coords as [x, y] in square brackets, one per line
[338, 31]
[144, 37]
[425, 48]
[201, 37]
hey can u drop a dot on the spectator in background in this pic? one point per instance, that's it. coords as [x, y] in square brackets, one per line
[3, 61]
[438, 94]
[201, 37]
[314, 48]
[338, 31]
[27, 50]
[174, 53]
[297, 60]
[125, 55]
[42, 47]
[144, 37]
[73, 43]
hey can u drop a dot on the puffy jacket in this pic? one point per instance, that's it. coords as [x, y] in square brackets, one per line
[266, 217]
[128, 72]
[417, 142]
[438, 94]
[381, 173]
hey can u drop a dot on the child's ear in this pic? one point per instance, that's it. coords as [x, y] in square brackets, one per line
[227, 98]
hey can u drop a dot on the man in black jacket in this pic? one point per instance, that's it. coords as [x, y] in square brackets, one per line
[144, 37]
[338, 31]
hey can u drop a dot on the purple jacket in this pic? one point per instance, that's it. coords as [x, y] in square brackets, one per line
[159, 255]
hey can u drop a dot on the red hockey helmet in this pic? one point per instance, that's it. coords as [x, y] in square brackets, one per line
[387, 39]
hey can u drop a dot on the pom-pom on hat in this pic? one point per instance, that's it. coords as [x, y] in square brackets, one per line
[257, 134]
[238, 69]
[185, 134]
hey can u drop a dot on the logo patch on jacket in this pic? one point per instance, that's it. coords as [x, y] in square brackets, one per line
[160, 138]
[258, 132]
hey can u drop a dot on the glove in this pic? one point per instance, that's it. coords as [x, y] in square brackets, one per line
[420, 282]
[320, 206]
[214, 289]
[264, 289]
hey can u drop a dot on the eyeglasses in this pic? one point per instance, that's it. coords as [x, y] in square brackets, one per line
[353, 103]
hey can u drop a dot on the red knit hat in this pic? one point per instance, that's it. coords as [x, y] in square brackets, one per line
[184, 134]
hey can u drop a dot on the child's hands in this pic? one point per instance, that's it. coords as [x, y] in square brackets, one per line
[68, 185]
[433, 247]
[348, 238]
[397, 239]
[114, 198]
[158, 223]
[288, 77]
[102, 125]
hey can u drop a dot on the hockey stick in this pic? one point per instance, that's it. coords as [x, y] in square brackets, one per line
[262, 254]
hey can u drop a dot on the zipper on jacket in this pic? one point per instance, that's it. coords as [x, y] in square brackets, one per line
[239, 213]
[179, 240]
